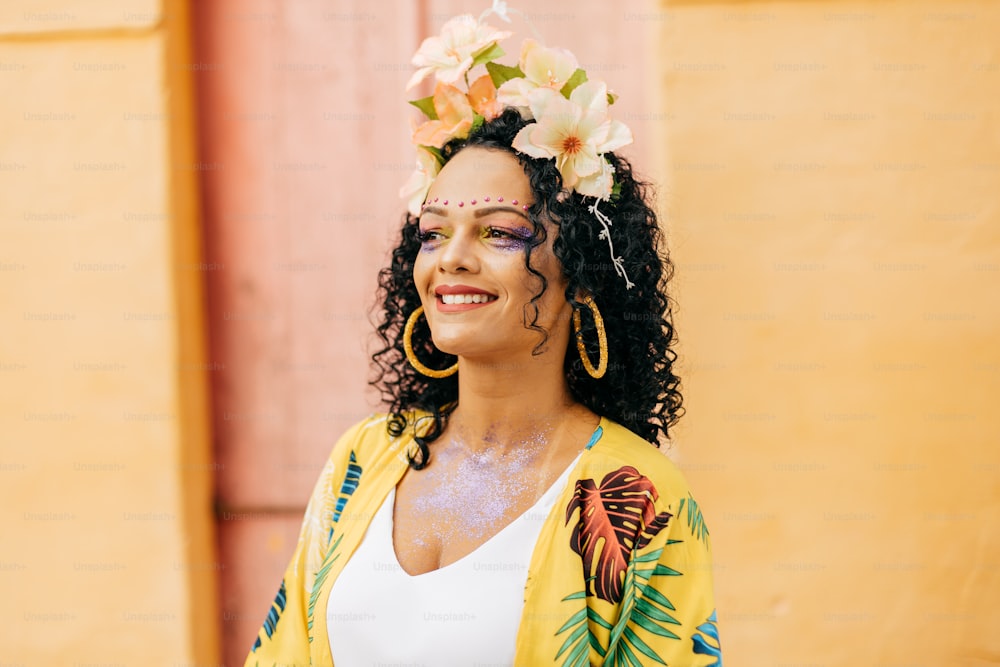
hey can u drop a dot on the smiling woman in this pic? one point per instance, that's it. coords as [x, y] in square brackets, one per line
[510, 506]
[472, 255]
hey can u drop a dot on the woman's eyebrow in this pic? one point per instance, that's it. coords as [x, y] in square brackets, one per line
[479, 212]
[435, 210]
[486, 210]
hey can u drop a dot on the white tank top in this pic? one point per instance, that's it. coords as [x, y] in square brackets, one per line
[462, 614]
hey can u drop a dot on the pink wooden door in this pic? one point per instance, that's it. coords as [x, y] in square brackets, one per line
[304, 140]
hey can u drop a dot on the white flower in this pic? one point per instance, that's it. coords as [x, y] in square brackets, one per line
[415, 190]
[600, 183]
[576, 132]
[543, 68]
[449, 55]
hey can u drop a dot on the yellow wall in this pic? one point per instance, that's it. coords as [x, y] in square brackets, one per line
[833, 179]
[831, 188]
[106, 555]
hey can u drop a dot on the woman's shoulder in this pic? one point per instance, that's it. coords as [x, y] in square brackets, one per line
[373, 436]
[615, 451]
[365, 450]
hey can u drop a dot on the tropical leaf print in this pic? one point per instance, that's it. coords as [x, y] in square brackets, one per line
[580, 638]
[321, 575]
[708, 644]
[347, 489]
[695, 520]
[615, 519]
[643, 607]
[598, 433]
[348, 486]
[273, 615]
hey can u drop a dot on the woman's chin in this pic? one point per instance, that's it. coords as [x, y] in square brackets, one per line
[472, 354]
[463, 342]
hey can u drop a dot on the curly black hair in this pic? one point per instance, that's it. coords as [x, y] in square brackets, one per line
[639, 389]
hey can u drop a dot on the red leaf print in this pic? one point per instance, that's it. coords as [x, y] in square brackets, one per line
[615, 519]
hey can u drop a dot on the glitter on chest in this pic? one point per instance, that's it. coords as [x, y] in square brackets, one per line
[473, 495]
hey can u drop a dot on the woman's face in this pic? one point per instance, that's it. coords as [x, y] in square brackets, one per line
[470, 270]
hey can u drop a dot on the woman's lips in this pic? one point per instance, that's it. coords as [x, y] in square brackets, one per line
[458, 302]
[466, 298]
[455, 298]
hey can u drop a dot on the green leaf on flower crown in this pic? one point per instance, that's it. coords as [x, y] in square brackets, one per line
[502, 73]
[436, 152]
[491, 51]
[616, 191]
[477, 121]
[579, 76]
[611, 98]
[426, 104]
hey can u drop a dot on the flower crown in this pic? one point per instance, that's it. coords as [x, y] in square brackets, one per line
[570, 111]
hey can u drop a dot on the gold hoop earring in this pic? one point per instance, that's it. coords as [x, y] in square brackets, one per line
[412, 357]
[602, 340]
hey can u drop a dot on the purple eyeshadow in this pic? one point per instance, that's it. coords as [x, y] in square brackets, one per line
[521, 238]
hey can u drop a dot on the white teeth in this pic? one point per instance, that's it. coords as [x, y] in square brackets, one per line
[465, 298]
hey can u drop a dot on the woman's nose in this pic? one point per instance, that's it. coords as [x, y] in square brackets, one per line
[460, 253]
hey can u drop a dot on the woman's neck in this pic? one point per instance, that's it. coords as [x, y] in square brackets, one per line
[502, 405]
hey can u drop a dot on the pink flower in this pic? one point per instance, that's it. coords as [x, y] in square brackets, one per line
[415, 190]
[576, 132]
[454, 118]
[543, 68]
[450, 55]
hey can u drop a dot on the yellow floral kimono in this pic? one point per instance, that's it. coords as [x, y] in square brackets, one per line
[620, 575]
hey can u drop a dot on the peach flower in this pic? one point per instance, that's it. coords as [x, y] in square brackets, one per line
[454, 118]
[483, 97]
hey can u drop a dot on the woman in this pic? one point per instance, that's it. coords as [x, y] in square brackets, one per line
[511, 506]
